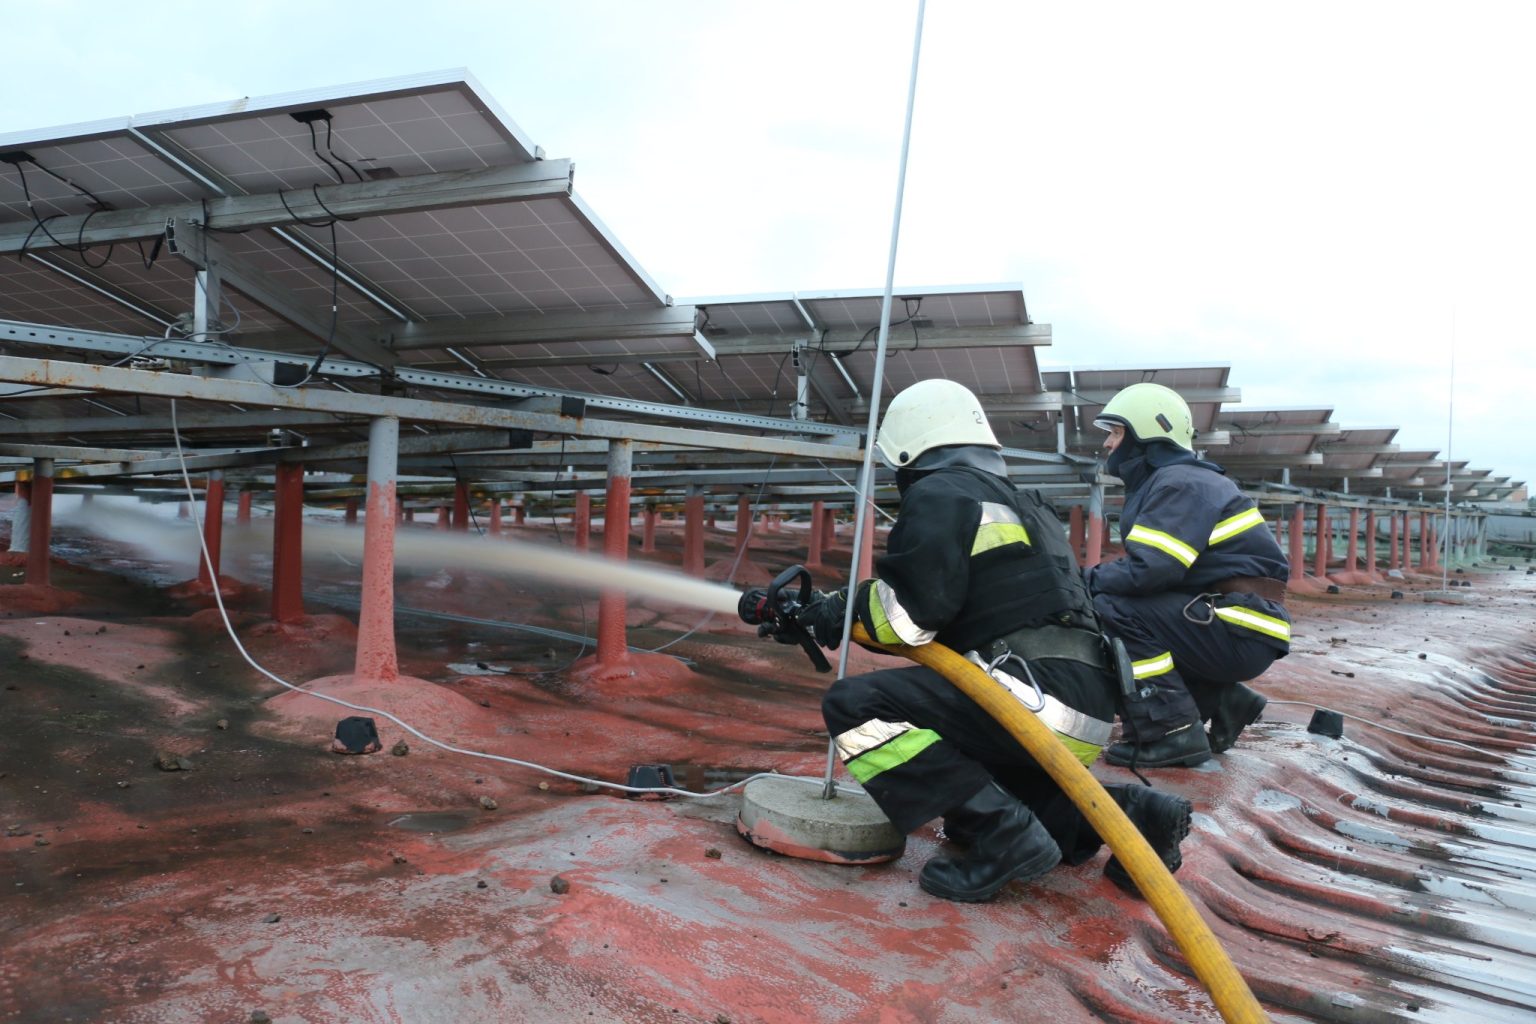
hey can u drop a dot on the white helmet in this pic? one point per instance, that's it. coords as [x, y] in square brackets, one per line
[931, 414]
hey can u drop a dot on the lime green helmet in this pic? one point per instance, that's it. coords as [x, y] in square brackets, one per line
[933, 413]
[1150, 412]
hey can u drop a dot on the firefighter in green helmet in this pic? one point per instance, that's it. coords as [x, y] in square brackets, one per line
[1198, 596]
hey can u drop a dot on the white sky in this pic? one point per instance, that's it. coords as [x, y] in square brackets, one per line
[1322, 195]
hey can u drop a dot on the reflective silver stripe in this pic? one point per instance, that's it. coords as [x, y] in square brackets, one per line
[992, 512]
[897, 618]
[868, 736]
[1055, 715]
[1069, 722]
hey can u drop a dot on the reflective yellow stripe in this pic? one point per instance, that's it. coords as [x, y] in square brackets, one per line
[995, 535]
[1231, 527]
[999, 525]
[883, 631]
[1084, 752]
[896, 752]
[1167, 543]
[1257, 621]
[1156, 666]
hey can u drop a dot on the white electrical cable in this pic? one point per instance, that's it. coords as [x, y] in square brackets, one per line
[218, 597]
[1402, 732]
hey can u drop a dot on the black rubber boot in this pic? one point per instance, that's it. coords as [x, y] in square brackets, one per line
[1007, 843]
[1238, 708]
[1161, 818]
[957, 833]
[1185, 746]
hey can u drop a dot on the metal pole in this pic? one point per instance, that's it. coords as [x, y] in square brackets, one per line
[866, 474]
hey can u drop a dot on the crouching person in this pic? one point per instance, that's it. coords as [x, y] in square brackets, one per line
[981, 567]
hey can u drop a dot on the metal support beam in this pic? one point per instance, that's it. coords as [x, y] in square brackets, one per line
[549, 328]
[543, 180]
[842, 342]
[53, 373]
[214, 259]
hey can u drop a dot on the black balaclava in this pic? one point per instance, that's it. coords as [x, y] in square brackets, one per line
[1135, 460]
[975, 456]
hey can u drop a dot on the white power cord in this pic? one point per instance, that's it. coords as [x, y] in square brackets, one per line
[1400, 732]
[218, 598]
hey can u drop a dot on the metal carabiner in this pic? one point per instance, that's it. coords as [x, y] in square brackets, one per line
[1211, 607]
[1029, 677]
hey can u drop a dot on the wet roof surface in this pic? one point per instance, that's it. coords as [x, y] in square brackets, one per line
[1375, 877]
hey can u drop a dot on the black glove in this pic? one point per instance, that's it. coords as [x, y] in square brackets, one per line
[823, 615]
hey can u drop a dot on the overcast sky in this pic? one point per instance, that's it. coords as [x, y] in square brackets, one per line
[1335, 199]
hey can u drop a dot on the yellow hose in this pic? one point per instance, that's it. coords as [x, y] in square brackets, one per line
[1231, 994]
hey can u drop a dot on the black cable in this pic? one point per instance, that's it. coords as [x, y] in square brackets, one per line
[330, 336]
[307, 223]
[321, 203]
[337, 155]
[314, 147]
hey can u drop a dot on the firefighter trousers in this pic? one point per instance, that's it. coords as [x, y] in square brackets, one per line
[920, 747]
[1184, 653]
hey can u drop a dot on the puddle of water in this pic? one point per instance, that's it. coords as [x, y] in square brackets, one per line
[431, 821]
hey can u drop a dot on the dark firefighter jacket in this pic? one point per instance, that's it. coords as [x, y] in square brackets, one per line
[1187, 527]
[969, 560]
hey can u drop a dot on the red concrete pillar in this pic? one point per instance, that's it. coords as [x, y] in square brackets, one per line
[1370, 541]
[1423, 540]
[1093, 540]
[866, 560]
[519, 514]
[213, 529]
[40, 530]
[495, 524]
[243, 508]
[612, 605]
[1320, 555]
[376, 658]
[1075, 531]
[408, 514]
[350, 515]
[287, 544]
[693, 535]
[648, 529]
[815, 545]
[1298, 550]
[1432, 547]
[1352, 560]
[460, 519]
[1279, 528]
[183, 510]
[743, 521]
[829, 532]
[443, 522]
[582, 520]
[1392, 562]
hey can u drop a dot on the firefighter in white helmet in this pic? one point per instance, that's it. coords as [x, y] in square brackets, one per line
[1199, 595]
[983, 568]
